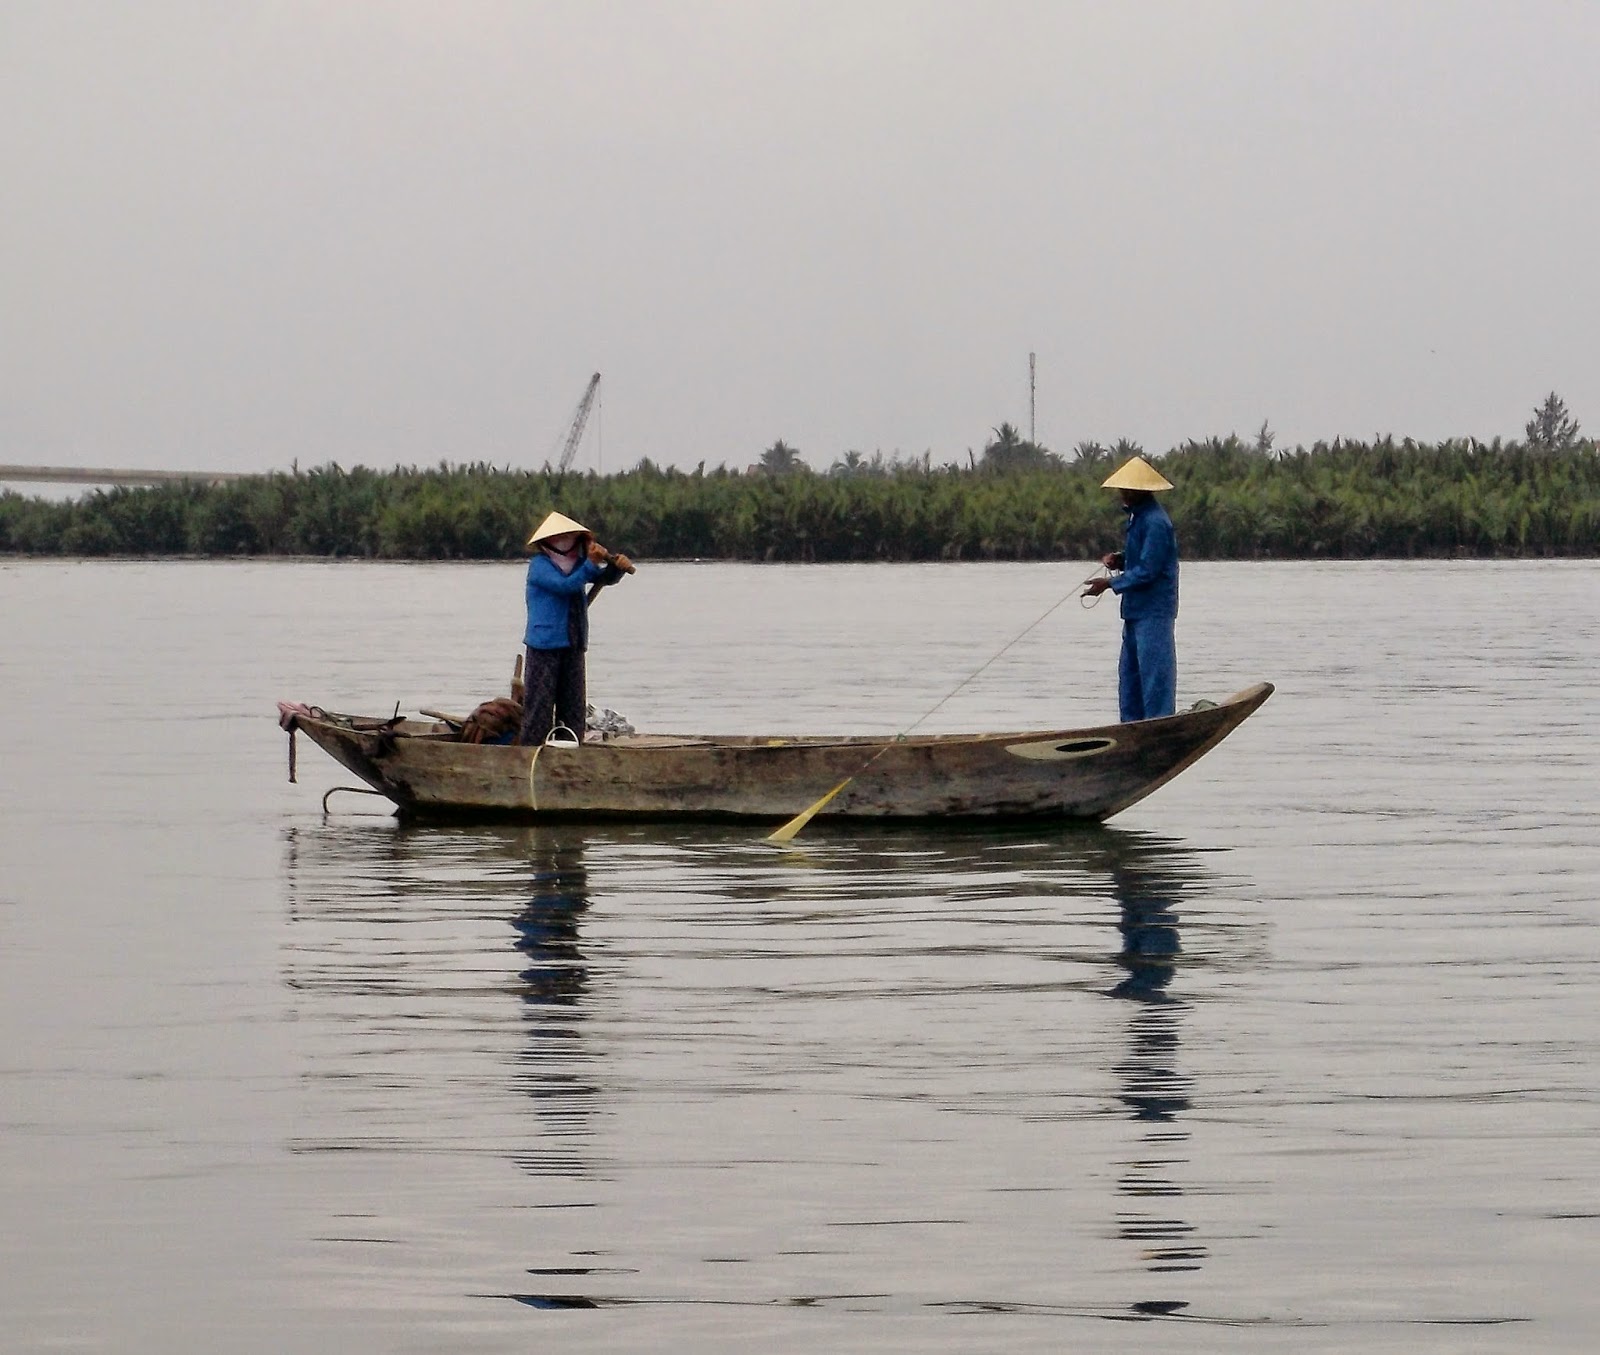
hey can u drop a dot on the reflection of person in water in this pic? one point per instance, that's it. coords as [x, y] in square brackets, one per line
[1147, 879]
[555, 988]
[1149, 927]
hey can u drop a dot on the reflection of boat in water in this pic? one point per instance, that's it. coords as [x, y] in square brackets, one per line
[396, 928]
[634, 1014]
[426, 769]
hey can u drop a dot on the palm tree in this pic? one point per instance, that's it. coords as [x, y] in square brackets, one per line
[1008, 450]
[782, 459]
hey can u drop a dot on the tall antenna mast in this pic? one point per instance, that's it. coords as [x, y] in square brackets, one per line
[1031, 435]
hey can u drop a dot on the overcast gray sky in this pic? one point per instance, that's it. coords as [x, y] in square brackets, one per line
[235, 233]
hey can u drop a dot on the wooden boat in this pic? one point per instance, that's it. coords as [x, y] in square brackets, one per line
[429, 772]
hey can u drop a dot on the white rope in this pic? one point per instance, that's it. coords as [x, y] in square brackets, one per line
[571, 741]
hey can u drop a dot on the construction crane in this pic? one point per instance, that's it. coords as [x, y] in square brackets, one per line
[579, 419]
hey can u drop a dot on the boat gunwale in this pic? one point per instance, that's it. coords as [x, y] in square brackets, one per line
[443, 731]
[365, 745]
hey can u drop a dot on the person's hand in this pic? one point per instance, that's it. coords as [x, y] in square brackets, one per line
[623, 563]
[598, 553]
[1113, 560]
[1096, 586]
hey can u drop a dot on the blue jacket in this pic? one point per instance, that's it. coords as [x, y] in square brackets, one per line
[1148, 584]
[558, 615]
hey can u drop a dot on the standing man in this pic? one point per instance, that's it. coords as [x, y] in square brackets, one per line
[1145, 577]
[566, 561]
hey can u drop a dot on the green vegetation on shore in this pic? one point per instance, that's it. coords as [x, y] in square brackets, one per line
[1232, 500]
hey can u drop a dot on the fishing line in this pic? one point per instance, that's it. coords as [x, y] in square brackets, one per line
[1032, 625]
[787, 832]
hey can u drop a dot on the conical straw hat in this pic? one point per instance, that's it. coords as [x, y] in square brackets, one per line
[1136, 473]
[556, 524]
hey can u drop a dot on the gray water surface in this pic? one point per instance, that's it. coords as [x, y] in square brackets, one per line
[1298, 1054]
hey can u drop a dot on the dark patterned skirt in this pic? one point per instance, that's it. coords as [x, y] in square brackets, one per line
[553, 693]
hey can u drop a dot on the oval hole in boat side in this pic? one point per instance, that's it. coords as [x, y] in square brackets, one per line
[1083, 746]
[1051, 750]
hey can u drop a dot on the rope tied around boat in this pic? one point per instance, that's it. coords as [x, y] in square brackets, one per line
[289, 713]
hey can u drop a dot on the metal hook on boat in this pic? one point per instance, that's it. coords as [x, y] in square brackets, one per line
[354, 790]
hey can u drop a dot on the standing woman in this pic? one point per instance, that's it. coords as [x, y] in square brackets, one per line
[566, 560]
[1146, 579]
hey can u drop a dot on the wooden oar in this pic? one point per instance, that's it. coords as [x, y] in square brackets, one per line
[594, 588]
[800, 820]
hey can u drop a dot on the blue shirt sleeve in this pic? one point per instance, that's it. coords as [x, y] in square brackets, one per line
[543, 574]
[1151, 548]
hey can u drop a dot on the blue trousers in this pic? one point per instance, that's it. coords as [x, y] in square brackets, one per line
[1147, 672]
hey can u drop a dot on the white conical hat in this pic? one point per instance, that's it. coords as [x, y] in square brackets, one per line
[1136, 473]
[556, 524]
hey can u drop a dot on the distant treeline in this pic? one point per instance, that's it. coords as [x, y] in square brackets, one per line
[1232, 500]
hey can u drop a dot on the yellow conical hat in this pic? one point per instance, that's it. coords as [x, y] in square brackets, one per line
[1136, 473]
[556, 524]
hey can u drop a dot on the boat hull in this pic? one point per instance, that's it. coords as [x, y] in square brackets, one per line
[1086, 774]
